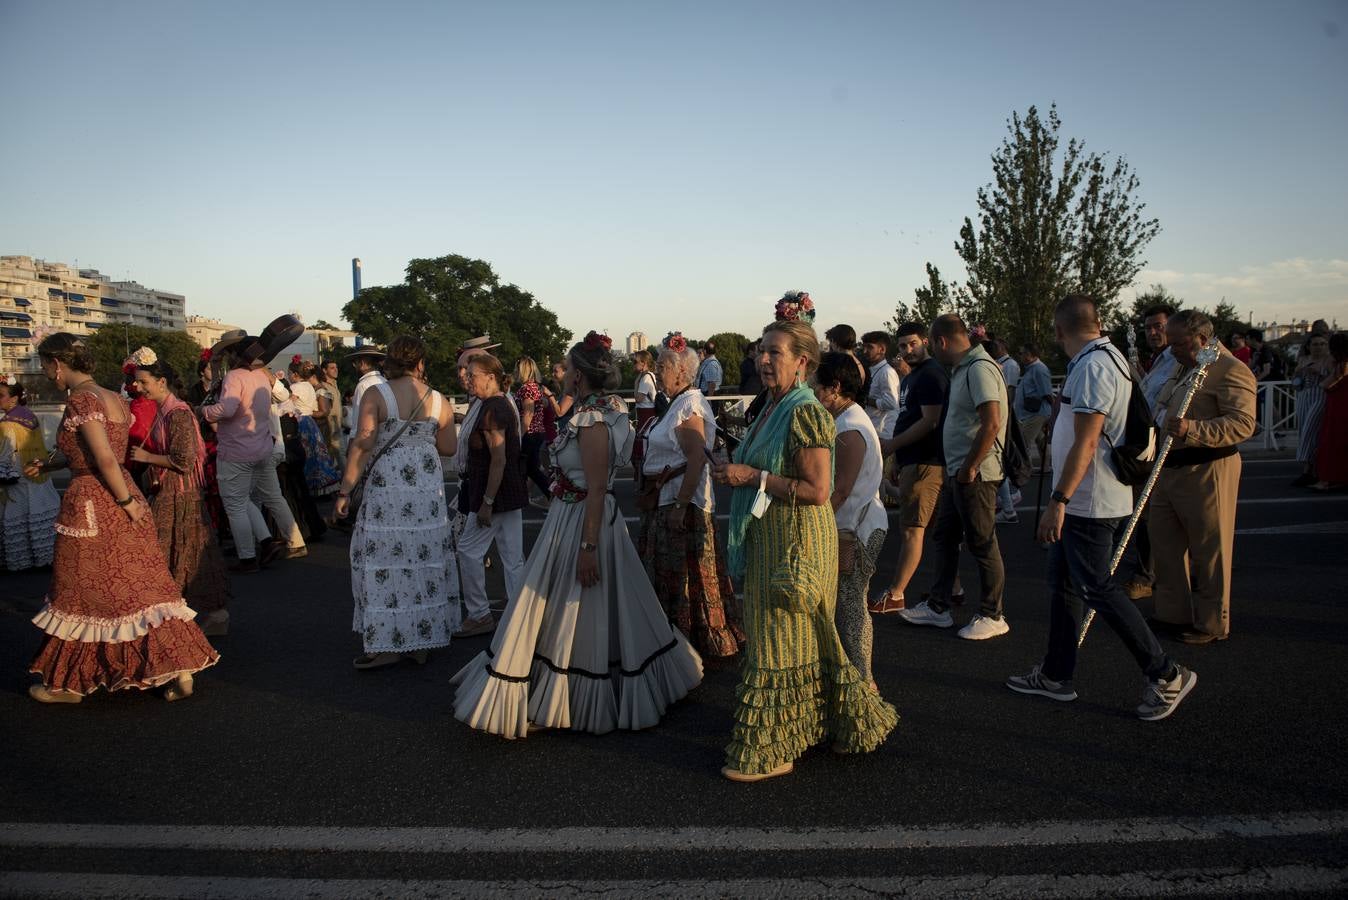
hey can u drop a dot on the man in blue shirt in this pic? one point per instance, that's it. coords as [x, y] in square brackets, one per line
[1034, 401]
[1086, 516]
[709, 374]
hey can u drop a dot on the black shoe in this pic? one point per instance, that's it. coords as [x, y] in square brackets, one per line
[269, 550]
[245, 567]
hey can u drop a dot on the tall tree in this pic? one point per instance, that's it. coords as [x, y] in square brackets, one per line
[449, 299]
[929, 301]
[1054, 219]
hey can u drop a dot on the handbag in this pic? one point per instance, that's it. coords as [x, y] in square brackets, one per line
[795, 582]
[358, 491]
[648, 494]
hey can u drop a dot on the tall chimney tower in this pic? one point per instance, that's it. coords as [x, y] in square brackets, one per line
[355, 278]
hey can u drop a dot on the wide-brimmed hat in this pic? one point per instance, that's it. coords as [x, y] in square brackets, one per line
[280, 334]
[482, 342]
[227, 340]
[372, 352]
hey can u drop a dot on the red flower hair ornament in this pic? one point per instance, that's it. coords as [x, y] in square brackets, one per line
[675, 341]
[296, 359]
[206, 355]
[596, 341]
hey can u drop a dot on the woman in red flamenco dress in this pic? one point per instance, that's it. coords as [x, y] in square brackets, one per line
[114, 617]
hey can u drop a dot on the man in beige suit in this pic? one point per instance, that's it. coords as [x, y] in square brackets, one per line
[1192, 523]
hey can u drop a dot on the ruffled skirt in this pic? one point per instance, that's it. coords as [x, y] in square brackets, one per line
[588, 659]
[29, 522]
[320, 471]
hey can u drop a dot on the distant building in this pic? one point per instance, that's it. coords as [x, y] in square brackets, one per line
[636, 341]
[34, 293]
[206, 332]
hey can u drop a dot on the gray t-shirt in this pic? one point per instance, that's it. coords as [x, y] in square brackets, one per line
[1097, 382]
[975, 380]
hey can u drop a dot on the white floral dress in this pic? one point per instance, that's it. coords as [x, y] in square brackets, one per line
[403, 576]
[583, 658]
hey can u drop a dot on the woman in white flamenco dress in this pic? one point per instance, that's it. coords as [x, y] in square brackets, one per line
[585, 645]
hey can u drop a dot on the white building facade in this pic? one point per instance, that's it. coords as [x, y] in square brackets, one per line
[636, 341]
[34, 293]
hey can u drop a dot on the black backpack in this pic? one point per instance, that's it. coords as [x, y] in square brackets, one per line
[1133, 458]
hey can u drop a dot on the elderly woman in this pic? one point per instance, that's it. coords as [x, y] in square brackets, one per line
[678, 534]
[797, 687]
[860, 517]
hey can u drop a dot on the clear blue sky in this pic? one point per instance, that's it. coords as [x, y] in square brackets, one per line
[655, 167]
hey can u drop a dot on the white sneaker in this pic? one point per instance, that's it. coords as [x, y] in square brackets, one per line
[980, 628]
[1007, 517]
[1016, 497]
[923, 614]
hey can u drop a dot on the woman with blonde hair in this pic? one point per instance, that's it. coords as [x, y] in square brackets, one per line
[797, 687]
[528, 396]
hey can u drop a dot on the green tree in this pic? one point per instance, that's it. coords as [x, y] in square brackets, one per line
[1055, 219]
[447, 300]
[325, 325]
[730, 350]
[929, 301]
[109, 345]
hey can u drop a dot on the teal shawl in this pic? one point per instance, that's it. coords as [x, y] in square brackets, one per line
[764, 448]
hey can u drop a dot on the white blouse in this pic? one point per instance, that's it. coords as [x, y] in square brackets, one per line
[862, 511]
[304, 397]
[662, 447]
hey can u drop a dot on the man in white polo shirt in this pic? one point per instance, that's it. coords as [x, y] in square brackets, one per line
[1086, 516]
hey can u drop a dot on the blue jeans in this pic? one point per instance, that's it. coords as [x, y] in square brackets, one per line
[1078, 577]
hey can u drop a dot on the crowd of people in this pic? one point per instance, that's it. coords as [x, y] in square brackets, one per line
[602, 630]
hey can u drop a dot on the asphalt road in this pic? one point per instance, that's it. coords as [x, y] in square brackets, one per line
[285, 772]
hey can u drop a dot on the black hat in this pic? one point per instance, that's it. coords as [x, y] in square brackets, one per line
[371, 352]
[280, 334]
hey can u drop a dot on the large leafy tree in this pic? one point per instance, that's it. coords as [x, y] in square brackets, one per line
[447, 300]
[1054, 219]
[110, 348]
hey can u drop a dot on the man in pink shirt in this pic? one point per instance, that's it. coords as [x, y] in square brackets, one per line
[244, 465]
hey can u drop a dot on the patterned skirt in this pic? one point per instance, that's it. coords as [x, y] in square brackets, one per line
[687, 568]
[320, 471]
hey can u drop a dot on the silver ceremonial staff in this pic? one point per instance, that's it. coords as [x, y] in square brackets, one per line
[1205, 357]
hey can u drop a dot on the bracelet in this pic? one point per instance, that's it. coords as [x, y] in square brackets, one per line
[488, 501]
[791, 489]
[131, 498]
[588, 547]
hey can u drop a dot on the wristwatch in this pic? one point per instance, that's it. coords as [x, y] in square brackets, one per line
[1060, 497]
[588, 547]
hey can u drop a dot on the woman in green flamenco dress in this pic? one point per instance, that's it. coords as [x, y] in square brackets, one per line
[797, 688]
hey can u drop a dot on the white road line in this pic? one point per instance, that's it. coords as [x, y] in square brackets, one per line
[1050, 833]
[1221, 882]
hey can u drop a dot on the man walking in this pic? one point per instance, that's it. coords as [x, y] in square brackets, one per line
[1193, 507]
[1158, 370]
[709, 374]
[1085, 519]
[882, 397]
[972, 439]
[916, 446]
[1034, 402]
[244, 465]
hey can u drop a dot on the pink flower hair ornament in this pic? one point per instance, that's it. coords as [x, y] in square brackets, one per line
[675, 341]
[795, 306]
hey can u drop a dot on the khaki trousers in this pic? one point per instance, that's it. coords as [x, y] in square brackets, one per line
[1192, 525]
[1032, 432]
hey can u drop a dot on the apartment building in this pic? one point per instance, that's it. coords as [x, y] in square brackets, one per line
[34, 293]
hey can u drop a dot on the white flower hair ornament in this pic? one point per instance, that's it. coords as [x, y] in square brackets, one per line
[144, 357]
[11, 380]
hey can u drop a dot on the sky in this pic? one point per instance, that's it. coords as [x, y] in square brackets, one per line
[642, 166]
